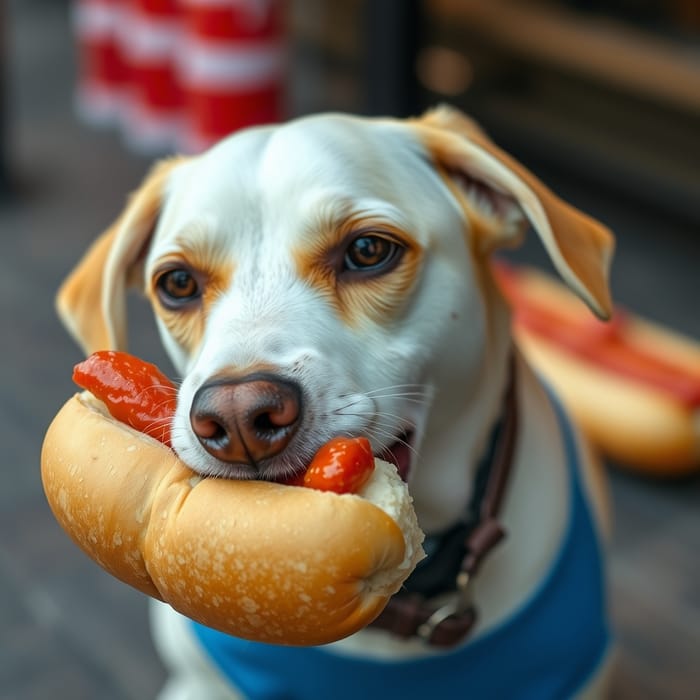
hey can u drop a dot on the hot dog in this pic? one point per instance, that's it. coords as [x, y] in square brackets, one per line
[633, 386]
[259, 560]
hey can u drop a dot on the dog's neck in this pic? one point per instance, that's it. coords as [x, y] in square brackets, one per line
[457, 437]
[535, 508]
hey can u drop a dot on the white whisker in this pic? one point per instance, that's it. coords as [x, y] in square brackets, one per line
[390, 440]
[418, 388]
[417, 394]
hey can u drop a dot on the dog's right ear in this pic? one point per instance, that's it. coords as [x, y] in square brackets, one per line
[498, 191]
[92, 300]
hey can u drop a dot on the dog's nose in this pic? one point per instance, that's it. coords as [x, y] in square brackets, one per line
[247, 420]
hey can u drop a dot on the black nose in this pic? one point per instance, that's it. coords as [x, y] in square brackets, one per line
[247, 420]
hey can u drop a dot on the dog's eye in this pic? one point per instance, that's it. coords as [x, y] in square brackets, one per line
[176, 287]
[370, 253]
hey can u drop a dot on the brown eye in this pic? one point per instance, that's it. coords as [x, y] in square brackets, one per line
[177, 287]
[371, 253]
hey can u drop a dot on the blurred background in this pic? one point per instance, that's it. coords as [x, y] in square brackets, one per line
[600, 99]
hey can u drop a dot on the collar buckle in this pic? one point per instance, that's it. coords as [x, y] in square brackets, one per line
[459, 605]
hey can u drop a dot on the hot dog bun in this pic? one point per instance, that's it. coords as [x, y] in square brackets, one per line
[257, 560]
[633, 386]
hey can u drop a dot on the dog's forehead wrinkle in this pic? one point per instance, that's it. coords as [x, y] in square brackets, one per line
[221, 224]
[331, 207]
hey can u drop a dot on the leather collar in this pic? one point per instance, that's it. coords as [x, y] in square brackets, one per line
[454, 557]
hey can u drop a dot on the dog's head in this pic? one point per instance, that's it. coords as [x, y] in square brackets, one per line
[327, 277]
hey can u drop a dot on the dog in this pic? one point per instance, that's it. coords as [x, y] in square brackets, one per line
[346, 262]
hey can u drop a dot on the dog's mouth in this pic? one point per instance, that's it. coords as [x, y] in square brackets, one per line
[400, 454]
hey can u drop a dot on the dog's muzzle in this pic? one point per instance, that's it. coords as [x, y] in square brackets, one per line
[246, 421]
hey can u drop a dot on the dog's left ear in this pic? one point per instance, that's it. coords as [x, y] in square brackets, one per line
[495, 188]
[91, 302]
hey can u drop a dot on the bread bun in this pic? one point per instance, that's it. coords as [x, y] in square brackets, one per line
[632, 386]
[632, 424]
[257, 560]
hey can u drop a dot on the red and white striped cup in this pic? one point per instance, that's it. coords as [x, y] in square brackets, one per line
[231, 68]
[151, 37]
[102, 71]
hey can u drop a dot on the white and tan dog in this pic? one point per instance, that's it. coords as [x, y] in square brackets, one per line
[338, 269]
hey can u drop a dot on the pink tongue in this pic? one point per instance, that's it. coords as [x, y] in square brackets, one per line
[399, 454]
